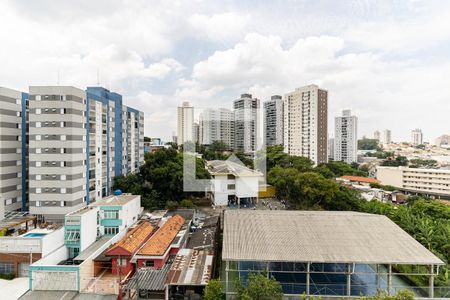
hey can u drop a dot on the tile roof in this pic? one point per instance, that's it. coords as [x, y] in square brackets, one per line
[360, 179]
[133, 239]
[161, 240]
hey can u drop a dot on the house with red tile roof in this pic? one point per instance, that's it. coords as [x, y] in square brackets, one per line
[166, 241]
[122, 252]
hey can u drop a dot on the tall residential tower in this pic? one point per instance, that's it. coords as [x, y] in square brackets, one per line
[246, 124]
[185, 123]
[346, 138]
[306, 123]
[416, 137]
[273, 121]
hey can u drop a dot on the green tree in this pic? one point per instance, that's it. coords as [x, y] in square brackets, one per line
[368, 144]
[214, 290]
[259, 287]
[186, 203]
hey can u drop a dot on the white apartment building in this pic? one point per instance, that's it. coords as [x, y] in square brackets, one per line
[78, 141]
[233, 183]
[273, 121]
[246, 124]
[216, 125]
[306, 123]
[387, 139]
[346, 138]
[185, 123]
[13, 150]
[416, 137]
[433, 183]
[330, 148]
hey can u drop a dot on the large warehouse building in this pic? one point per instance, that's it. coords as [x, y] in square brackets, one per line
[322, 252]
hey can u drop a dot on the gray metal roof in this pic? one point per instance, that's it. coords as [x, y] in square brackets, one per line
[319, 236]
[151, 279]
[224, 167]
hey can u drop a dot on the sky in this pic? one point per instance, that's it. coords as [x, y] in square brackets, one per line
[387, 61]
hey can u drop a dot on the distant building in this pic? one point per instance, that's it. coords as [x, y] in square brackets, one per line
[346, 138]
[273, 121]
[416, 137]
[185, 123]
[196, 132]
[233, 183]
[306, 123]
[387, 139]
[443, 141]
[246, 124]
[216, 125]
[331, 148]
[433, 183]
[377, 136]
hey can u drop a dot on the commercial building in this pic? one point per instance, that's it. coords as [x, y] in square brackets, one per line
[326, 253]
[273, 121]
[416, 137]
[233, 183]
[433, 183]
[306, 123]
[216, 125]
[346, 138]
[246, 124]
[13, 151]
[185, 123]
[387, 139]
[78, 141]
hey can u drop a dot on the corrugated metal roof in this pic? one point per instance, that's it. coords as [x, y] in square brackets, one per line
[319, 236]
[224, 167]
[191, 267]
[151, 279]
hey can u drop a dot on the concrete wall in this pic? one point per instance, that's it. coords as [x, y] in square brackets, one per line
[88, 232]
[390, 176]
[247, 186]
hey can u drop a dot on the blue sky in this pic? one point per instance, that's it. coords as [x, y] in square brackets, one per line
[388, 61]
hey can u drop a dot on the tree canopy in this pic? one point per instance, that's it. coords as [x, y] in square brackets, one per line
[259, 287]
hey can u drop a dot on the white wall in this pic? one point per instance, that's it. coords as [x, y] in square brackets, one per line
[247, 186]
[88, 232]
[52, 241]
[130, 212]
[390, 176]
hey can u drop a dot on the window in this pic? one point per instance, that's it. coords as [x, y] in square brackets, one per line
[38, 137]
[38, 190]
[38, 97]
[38, 124]
[122, 262]
[63, 137]
[38, 164]
[111, 230]
[72, 235]
[63, 203]
[8, 201]
[6, 268]
[111, 214]
[18, 113]
[38, 111]
[63, 177]
[19, 163]
[63, 111]
[149, 263]
[19, 175]
[63, 191]
[18, 150]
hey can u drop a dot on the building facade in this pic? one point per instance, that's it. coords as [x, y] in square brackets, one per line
[306, 123]
[273, 121]
[387, 138]
[331, 148]
[185, 123]
[416, 137]
[346, 138]
[78, 141]
[216, 125]
[443, 141]
[377, 136]
[246, 124]
[13, 150]
[433, 183]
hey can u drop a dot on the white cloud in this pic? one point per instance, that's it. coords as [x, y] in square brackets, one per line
[219, 27]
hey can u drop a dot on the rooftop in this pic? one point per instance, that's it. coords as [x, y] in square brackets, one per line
[319, 236]
[15, 218]
[360, 179]
[225, 167]
[191, 267]
[133, 239]
[116, 200]
[86, 253]
[149, 278]
[161, 240]
[202, 238]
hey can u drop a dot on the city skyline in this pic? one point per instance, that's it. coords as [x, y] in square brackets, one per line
[182, 52]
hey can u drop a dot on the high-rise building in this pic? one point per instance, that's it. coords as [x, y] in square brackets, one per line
[331, 148]
[306, 123]
[346, 138]
[377, 136]
[273, 121]
[246, 124]
[78, 141]
[416, 137]
[196, 132]
[185, 123]
[13, 151]
[387, 137]
[216, 125]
